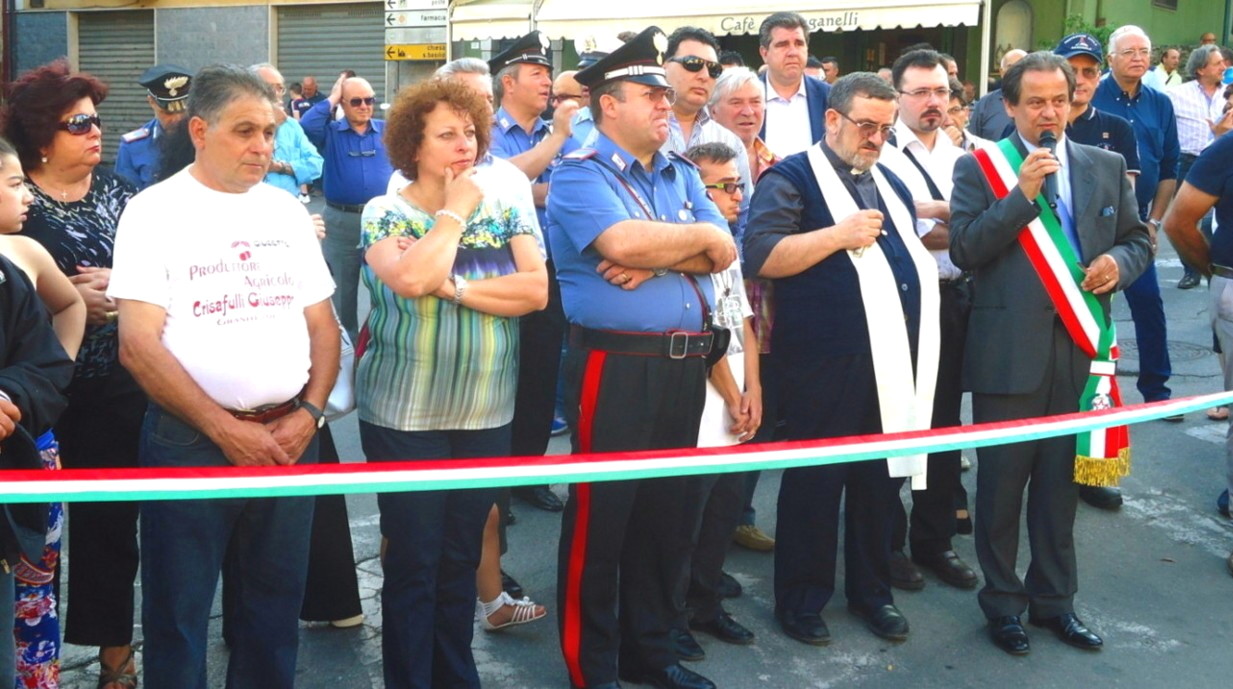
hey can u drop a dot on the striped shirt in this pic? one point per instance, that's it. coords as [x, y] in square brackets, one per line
[1194, 108]
[432, 365]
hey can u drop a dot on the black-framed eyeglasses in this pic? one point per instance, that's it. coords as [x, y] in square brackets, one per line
[357, 102]
[362, 154]
[868, 129]
[727, 187]
[956, 110]
[567, 96]
[81, 123]
[693, 63]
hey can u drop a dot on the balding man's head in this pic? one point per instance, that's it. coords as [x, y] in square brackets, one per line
[565, 87]
[357, 100]
[1010, 58]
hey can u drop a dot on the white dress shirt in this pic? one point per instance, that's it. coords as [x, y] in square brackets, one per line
[940, 165]
[788, 129]
[1193, 109]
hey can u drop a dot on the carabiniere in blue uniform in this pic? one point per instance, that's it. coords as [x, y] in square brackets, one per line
[137, 158]
[635, 376]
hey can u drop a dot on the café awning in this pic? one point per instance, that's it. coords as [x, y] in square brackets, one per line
[573, 18]
[481, 19]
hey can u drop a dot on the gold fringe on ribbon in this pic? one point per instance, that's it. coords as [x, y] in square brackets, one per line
[1102, 471]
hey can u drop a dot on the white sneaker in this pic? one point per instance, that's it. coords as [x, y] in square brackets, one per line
[304, 199]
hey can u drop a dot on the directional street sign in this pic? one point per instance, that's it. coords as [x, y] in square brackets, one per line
[395, 5]
[416, 51]
[429, 34]
[415, 18]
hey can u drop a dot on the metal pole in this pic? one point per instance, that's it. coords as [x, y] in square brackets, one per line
[986, 21]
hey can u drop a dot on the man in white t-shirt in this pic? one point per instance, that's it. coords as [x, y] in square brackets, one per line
[226, 323]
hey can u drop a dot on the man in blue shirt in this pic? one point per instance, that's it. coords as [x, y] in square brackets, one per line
[523, 81]
[167, 92]
[1150, 113]
[634, 236]
[356, 170]
[295, 160]
[1209, 184]
[1102, 130]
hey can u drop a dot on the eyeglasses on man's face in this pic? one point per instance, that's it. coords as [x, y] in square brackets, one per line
[868, 129]
[357, 102]
[726, 187]
[693, 63]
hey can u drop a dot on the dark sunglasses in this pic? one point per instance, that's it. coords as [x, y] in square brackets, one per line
[362, 154]
[80, 124]
[693, 63]
[727, 187]
[356, 102]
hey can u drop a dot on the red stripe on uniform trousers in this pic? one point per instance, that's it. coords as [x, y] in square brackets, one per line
[571, 634]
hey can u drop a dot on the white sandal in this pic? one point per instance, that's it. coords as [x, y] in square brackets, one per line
[525, 610]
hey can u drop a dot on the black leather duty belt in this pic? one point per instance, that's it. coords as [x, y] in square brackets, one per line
[676, 345]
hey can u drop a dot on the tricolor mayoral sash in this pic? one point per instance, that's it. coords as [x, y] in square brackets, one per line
[905, 401]
[1102, 457]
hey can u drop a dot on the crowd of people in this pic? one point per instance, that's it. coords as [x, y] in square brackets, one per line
[663, 246]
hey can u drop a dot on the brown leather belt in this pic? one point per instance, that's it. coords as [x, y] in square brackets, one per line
[266, 413]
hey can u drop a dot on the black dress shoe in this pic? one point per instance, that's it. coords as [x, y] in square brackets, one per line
[1009, 635]
[1105, 498]
[806, 627]
[685, 645]
[539, 496]
[511, 586]
[1070, 629]
[672, 677]
[903, 574]
[729, 587]
[725, 629]
[949, 568]
[885, 621]
[1189, 281]
[963, 526]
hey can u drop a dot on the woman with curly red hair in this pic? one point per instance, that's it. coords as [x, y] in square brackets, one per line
[50, 117]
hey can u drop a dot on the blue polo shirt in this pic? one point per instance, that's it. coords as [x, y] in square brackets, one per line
[1110, 132]
[1150, 113]
[356, 168]
[587, 198]
[1212, 174]
[509, 139]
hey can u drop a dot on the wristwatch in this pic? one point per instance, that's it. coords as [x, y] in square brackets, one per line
[460, 287]
[313, 411]
[1154, 223]
[660, 272]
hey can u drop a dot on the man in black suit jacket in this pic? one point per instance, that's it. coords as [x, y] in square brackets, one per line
[784, 46]
[1020, 360]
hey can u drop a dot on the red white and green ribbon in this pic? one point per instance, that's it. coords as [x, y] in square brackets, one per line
[1102, 456]
[183, 483]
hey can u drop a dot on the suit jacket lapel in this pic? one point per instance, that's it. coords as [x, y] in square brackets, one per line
[1082, 189]
[817, 110]
[762, 135]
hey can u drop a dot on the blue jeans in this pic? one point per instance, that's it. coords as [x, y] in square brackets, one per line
[1147, 310]
[182, 548]
[428, 598]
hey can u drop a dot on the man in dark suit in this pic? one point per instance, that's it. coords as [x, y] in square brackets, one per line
[1021, 361]
[795, 103]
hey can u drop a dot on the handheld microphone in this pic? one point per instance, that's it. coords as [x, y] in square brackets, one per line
[1048, 141]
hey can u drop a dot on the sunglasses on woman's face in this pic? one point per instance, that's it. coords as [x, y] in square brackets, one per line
[80, 124]
[357, 102]
[693, 63]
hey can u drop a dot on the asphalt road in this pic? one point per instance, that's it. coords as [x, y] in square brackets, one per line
[1153, 581]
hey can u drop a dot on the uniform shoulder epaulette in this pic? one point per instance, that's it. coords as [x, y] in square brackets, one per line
[579, 154]
[673, 155]
[135, 135]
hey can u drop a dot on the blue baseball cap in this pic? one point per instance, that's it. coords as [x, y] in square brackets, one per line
[1080, 44]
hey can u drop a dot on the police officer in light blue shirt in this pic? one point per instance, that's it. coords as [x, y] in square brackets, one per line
[167, 92]
[634, 238]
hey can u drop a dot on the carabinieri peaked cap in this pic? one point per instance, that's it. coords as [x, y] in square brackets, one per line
[530, 49]
[168, 85]
[641, 60]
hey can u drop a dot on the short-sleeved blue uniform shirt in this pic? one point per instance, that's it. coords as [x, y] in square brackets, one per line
[1212, 174]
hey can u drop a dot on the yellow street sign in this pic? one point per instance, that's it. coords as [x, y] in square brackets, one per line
[418, 51]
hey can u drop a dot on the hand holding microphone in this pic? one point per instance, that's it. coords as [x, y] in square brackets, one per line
[1038, 168]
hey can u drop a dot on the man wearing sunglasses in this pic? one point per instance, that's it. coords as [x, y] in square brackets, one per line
[856, 335]
[795, 104]
[356, 170]
[692, 66]
[167, 93]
